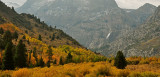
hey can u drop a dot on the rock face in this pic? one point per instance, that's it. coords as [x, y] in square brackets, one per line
[141, 41]
[96, 24]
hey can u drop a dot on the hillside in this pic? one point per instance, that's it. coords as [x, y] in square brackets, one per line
[30, 28]
[94, 24]
[33, 26]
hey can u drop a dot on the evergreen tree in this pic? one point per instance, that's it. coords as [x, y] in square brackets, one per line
[53, 37]
[20, 55]
[61, 61]
[8, 61]
[28, 41]
[120, 61]
[41, 62]
[15, 35]
[69, 58]
[1, 31]
[7, 37]
[48, 63]
[30, 57]
[39, 37]
[50, 54]
[2, 44]
[24, 37]
[35, 54]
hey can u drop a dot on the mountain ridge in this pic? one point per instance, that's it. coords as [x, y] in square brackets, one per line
[99, 26]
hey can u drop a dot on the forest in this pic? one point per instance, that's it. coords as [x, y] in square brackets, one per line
[65, 61]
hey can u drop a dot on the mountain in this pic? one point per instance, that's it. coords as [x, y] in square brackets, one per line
[141, 41]
[11, 4]
[40, 37]
[66, 12]
[34, 26]
[95, 24]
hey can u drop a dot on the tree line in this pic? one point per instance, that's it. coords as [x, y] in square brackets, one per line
[16, 55]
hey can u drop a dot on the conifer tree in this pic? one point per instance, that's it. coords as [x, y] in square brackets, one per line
[41, 62]
[50, 54]
[61, 61]
[20, 55]
[55, 61]
[24, 37]
[39, 37]
[15, 35]
[120, 61]
[48, 63]
[2, 44]
[8, 61]
[35, 54]
[69, 58]
[28, 41]
[7, 37]
[1, 31]
[53, 37]
[29, 57]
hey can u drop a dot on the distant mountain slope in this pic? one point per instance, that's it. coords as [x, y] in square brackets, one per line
[95, 24]
[142, 41]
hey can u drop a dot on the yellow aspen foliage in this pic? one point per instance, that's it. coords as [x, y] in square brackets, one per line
[33, 60]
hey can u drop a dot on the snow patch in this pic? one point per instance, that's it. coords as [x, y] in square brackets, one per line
[108, 35]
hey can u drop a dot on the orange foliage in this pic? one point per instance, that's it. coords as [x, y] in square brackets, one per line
[90, 69]
[11, 27]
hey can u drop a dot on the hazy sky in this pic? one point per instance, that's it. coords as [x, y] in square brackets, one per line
[133, 4]
[20, 2]
[130, 4]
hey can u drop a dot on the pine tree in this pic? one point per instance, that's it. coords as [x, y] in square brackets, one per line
[8, 61]
[28, 41]
[55, 61]
[7, 37]
[2, 44]
[53, 37]
[20, 55]
[15, 35]
[61, 61]
[30, 57]
[39, 37]
[69, 58]
[50, 54]
[24, 37]
[1, 31]
[120, 61]
[48, 63]
[35, 54]
[41, 62]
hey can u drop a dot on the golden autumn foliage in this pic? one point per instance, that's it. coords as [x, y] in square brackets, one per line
[85, 63]
[79, 54]
[86, 69]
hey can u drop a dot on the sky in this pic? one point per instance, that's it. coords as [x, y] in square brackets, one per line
[134, 4]
[19, 2]
[129, 4]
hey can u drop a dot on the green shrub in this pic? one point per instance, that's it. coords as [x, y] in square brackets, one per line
[135, 74]
[149, 74]
[103, 70]
[134, 62]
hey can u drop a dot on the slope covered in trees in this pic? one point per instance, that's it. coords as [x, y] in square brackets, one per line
[37, 44]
